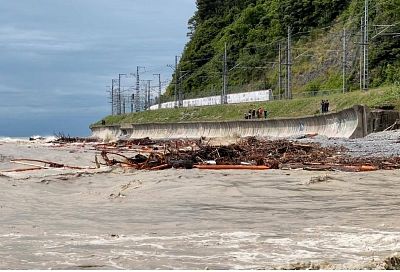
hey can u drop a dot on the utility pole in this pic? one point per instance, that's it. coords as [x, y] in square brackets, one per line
[137, 98]
[123, 105]
[119, 97]
[112, 97]
[137, 95]
[224, 78]
[361, 54]
[176, 81]
[279, 70]
[119, 94]
[148, 94]
[365, 47]
[159, 90]
[288, 66]
[132, 99]
[143, 102]
[180, 95]
[344, 61]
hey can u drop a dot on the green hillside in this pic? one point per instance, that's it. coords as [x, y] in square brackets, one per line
[254, 29]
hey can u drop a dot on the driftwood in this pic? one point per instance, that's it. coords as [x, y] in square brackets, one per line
[232, 167]
[245, 154]
[47, 164]
[21, 170]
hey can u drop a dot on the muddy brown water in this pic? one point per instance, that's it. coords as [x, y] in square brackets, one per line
[192, 219]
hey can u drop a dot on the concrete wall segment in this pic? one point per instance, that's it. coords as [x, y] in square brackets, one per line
[349, 123]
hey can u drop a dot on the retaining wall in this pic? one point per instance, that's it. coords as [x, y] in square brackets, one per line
[349, 123]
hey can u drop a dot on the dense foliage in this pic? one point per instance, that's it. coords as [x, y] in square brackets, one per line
[252, 30]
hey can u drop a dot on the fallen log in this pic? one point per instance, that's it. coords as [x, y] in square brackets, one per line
[21, 170]
[366, 168]
[318, 168]
[49, 163]
[160, 167]
[231, 167]
[357, 168]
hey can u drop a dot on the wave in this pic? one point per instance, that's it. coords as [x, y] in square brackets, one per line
[27, 139]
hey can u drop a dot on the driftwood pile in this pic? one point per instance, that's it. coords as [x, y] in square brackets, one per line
[249, 153]
[61, 138]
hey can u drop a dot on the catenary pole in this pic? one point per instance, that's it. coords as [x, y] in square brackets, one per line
[148, 94]
[132, 101]
[361, 53]
[224, 77]
[176, 81]
[119, 94]
[137, 96]
[288, 65]
[112, 97]
[159, 90]
[180, 96]
[344, 61]
[365, 73]
[280, 71]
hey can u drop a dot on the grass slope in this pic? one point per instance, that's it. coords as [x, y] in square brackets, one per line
[276, 109]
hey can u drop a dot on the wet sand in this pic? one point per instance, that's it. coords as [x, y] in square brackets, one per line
[191, 219]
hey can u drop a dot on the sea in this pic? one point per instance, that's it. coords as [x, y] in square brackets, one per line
[192, 219]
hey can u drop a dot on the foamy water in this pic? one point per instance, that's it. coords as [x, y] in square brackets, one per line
[37, 138]
[222, 250]
[193, 219]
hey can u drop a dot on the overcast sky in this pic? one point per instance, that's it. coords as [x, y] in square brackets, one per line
[58, 56]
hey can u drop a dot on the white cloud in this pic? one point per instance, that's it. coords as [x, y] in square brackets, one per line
[13, 38]
[11, 33]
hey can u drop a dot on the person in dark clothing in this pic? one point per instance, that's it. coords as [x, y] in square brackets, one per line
[249, 115]
[253, 114]
[323, 106]
[327, 106]
[103, 122]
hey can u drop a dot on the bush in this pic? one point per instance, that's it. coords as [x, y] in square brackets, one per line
[313, 88]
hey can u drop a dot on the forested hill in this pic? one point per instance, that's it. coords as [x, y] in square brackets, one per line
[253, 31]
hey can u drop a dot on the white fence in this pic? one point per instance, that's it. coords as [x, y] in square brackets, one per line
[263, 95]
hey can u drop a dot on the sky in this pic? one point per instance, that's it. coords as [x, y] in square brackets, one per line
[57, 57]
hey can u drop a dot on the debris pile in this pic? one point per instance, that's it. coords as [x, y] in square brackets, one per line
[67, 139]
[248, 153]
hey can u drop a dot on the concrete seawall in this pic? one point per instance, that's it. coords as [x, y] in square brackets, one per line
[349, 123]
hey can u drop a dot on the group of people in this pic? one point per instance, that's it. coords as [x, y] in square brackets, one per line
[256, 114]
[324, 106]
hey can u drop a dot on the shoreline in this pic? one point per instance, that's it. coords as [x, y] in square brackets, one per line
[377, 151]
